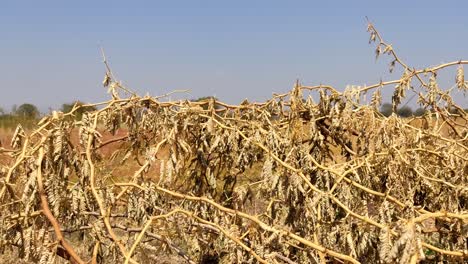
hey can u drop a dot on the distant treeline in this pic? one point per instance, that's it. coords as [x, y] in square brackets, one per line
[28, 114]
[406, 111]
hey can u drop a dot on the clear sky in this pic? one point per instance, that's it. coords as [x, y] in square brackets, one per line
[49, 50]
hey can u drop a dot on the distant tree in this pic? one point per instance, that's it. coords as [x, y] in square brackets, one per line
[405, 111]
[386, 109]
[419, 112]
[29, 111]
[2, 111]
[66, 108]
[456, 111]
[206, 99]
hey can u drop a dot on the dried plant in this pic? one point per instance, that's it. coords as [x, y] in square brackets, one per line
[288, 180]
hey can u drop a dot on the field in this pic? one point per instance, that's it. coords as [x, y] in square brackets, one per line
[288, 180]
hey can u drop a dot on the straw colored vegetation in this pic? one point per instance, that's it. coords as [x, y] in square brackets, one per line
[288, 180]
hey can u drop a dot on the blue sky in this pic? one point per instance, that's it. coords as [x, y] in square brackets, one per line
[49, 50]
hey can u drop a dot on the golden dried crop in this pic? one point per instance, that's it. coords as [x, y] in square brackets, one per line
[289, 180]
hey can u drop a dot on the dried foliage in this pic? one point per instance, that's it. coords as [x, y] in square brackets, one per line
[289, 180]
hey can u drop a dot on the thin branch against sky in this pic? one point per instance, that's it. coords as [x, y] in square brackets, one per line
[50, 50]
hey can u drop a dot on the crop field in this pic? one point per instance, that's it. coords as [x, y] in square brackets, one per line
[315, 175]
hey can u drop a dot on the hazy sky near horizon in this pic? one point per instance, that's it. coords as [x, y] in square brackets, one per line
[50, 50]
